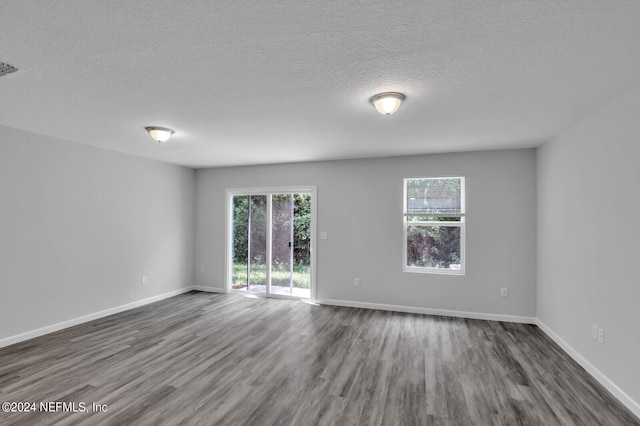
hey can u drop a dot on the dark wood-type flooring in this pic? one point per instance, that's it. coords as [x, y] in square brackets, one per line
[225, 359]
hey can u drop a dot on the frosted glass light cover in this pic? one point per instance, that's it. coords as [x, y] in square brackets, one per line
[387, 103]
[159, 134]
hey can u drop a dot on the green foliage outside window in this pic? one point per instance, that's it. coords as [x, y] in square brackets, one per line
[301, 229]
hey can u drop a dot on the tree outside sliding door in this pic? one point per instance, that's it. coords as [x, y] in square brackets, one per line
[270, 243]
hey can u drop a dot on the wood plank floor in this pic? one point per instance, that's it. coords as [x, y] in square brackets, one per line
[225, 359]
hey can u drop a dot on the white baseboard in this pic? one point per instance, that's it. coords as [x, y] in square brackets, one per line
[625, 399]
[209, 289]
[7, 341]
[428, 311]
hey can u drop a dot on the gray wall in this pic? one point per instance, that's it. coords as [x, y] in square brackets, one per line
[360, 206]
[79, 226]
[588, 236]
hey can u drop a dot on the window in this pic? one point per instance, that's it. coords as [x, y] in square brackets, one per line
[434, 215]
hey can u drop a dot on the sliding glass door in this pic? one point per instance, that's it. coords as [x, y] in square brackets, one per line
[250, 243]
[290, 238]
[270, 242]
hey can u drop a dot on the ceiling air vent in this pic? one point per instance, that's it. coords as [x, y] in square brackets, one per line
[6, 69]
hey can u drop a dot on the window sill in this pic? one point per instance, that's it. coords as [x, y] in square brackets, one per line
[434, 271]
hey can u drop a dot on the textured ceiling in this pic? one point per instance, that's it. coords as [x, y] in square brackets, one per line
[247, 82]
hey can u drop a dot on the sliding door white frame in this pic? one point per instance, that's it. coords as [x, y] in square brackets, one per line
[232, 192]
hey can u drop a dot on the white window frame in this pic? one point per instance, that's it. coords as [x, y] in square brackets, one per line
[461, 224]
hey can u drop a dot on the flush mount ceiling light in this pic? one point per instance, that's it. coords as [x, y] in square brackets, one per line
[159, 134]
[387, 103]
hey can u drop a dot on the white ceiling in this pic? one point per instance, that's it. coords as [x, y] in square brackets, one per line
[246, 82]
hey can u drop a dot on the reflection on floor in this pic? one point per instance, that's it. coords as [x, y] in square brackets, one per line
[303, 293]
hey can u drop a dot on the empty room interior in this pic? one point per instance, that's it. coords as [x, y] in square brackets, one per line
[296, 212]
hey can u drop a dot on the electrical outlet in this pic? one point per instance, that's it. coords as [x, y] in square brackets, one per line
[594, 332]
[503, 292]
[600, 335]
[202, 269]
[323, 235]
[144, 279]
[356, 282]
